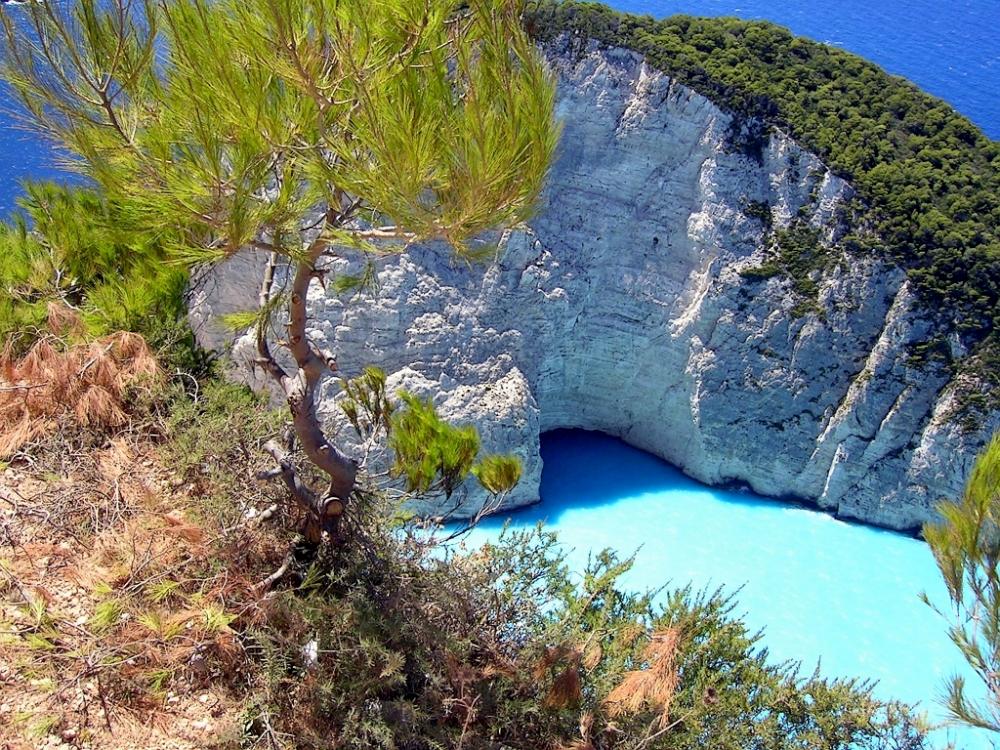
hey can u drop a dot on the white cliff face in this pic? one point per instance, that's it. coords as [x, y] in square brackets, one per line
[622, 309]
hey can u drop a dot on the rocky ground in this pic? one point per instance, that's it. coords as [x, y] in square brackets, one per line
[98, 647]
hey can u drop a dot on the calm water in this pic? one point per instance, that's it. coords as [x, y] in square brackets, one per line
[824, 591]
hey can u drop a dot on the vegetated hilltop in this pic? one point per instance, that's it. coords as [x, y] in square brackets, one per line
[927, 178]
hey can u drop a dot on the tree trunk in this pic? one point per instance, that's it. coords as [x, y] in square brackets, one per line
[300, 389]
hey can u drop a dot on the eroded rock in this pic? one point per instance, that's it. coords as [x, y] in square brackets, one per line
[622, 308]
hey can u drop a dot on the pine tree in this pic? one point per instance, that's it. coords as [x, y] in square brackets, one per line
[303, 128]
[966, 547]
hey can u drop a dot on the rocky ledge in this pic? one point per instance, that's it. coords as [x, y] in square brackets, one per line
[624, 308]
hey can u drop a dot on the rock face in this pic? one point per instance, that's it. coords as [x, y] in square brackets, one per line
[623, 309]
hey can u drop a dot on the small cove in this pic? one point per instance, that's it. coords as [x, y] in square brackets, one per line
[824, 591]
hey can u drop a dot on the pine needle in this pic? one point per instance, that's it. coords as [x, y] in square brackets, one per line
[87, 385]
[653, 687]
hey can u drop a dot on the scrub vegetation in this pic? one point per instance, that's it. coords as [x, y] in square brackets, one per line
[74, 248]
[133, 613]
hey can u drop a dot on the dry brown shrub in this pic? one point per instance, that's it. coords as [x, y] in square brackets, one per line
[140, 618]
[550, 657]
[85, 385]
[64, 320]
[653, 687]
[566, 690]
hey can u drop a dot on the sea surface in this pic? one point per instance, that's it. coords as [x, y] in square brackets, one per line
[839, 595]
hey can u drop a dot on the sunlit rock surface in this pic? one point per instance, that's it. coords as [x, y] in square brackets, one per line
[622, 308]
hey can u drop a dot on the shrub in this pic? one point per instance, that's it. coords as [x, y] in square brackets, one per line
[85, 386]
[72, 248]
[390, 644]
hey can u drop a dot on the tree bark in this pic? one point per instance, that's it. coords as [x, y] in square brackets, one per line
[300, 391]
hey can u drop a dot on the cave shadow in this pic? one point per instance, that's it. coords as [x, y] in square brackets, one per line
[591, 469]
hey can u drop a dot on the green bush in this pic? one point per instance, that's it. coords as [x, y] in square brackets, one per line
[221, 426]
[388, 643]
[73, 248]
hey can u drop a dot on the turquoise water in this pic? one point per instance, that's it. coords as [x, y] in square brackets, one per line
[842, 595]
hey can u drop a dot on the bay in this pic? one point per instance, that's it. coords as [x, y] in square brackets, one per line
[825, 593]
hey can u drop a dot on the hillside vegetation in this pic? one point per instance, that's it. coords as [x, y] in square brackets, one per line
[137, 609]
[929, 180]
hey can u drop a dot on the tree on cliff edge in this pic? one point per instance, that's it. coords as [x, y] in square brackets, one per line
[966, 546]
[304, 128]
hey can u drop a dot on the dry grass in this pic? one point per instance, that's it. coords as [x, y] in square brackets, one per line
[86, 385]
[116, 628]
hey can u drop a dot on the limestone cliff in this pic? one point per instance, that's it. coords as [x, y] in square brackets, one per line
[623, 309]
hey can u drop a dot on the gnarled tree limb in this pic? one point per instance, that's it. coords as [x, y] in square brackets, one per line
[300, 389]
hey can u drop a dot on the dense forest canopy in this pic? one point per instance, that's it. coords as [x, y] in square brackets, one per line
[929, 179]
